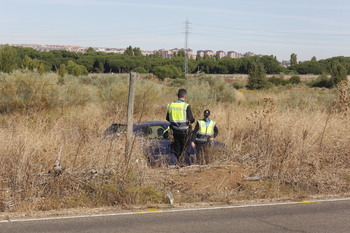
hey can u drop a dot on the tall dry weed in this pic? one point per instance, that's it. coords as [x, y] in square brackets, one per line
[343, 102]
[298, 148]
[287, 136]
[29, 146]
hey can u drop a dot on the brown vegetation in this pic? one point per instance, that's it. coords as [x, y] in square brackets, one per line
[294, 138]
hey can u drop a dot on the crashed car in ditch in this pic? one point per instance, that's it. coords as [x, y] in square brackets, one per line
[158, 150]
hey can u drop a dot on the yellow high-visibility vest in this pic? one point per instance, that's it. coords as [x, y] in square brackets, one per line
[178, 115]
[205, 132]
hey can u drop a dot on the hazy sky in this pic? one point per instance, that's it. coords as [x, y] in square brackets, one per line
[308, 28]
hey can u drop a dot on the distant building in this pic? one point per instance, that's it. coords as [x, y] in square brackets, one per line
[221, 54]
[100, 50]
[175, 50]
[285, 63]
[189, 53]
[119, 51]
[249, 54]
[232, 54]
[147, 52]
[200, 53]
[210, 53]
[166, 53]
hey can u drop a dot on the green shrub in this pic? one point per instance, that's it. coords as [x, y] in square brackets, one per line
[72, 93]
[295, 79]
[223, 92]
[76, 70]
[62, 71]
[278, 81]
[338, 74]
[321, 81]
[208, 90]
[25, 91]
[283, 82]
[179, 82]
[79, 70]
[102, 81]
[238, 85]
[140, 70]
[7, 59]
[257, 76]
[167, 71]
[41, 69]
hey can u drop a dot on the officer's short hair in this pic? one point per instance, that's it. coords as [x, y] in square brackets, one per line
[181, 93]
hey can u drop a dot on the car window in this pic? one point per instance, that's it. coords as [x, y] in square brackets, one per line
[153, 131]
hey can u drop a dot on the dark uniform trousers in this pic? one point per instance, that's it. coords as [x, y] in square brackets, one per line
[180, 143]
[202, 156]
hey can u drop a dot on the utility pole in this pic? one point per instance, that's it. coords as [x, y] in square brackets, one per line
[187, 31]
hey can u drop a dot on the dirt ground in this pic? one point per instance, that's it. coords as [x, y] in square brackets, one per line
[193, 186]
[199, 183]
[198, 186]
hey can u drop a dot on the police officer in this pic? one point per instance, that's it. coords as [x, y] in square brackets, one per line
[203, 134]
[180, 116]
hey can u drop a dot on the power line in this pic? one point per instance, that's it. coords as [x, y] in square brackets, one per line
[187, 31]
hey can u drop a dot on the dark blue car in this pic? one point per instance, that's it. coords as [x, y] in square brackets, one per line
[159, 150]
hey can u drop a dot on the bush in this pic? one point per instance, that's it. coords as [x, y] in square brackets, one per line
[238, 85]
[7, 59]
[283, 82]
[141, 70]
[321, 81]
[223, 92]
[114, 93]
[79, 70]
[73, 93]
[278, 81]
[76, 70]
[25, 91]
[207, 90]
[178, 82]
[295, 79]
[61, 73]
[167, 71]
[257, 76]
[338, 74]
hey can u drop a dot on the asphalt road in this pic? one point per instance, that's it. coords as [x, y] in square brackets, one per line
[325, 216]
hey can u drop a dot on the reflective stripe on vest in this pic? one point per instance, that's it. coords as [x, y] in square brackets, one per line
[205, 132]
[178, 115]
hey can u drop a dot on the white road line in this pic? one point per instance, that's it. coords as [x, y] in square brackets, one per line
[175, 210]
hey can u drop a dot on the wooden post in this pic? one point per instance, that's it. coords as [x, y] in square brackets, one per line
[129, 130]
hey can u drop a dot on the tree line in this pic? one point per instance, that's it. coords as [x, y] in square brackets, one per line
[61, 61]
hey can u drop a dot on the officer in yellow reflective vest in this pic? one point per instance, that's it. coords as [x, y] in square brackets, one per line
[203, 134]
[180, 116]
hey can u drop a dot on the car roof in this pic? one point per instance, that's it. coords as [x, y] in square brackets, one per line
[137, 127]
[153, 123]
[165, 124]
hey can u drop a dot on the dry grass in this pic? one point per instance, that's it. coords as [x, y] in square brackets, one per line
[244, 77]
[295, 138]
[304, 149]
